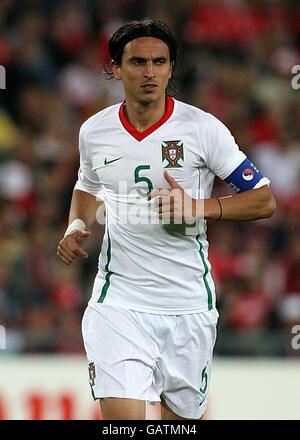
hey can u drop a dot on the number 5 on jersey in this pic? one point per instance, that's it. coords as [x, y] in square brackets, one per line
[138, 178]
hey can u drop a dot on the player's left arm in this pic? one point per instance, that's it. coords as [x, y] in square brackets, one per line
[251, 204]
[253, 201]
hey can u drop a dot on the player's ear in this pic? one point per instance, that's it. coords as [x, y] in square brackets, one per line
[171, 70]
[116, 70]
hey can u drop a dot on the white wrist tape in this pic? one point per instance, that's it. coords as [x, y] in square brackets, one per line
[76, 225]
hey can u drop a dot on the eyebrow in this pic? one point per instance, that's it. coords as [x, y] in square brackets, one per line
[137, 58]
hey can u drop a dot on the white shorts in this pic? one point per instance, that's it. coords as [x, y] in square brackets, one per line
[151, 357]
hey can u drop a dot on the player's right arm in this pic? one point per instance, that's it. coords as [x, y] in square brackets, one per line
[86, 200]
[82, 215]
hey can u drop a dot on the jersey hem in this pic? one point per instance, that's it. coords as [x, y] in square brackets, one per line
[130, 393]
[92, 302]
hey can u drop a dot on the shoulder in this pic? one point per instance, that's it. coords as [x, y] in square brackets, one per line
[190, 113]
[106, 116]
[206, 126]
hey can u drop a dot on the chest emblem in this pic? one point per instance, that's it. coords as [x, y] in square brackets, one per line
[172, 151]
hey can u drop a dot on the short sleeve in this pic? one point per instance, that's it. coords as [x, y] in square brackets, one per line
[88, 180]
[222, 154]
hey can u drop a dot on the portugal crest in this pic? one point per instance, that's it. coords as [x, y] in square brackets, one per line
[172, 151]
[92, 373]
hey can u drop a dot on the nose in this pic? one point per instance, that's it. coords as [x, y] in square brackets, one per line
[149, 70]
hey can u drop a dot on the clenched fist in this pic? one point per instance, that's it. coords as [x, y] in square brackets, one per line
[70, 248]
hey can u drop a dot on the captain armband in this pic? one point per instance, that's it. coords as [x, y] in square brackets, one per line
[245, 177]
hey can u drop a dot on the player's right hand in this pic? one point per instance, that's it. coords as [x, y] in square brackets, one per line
[69, 247]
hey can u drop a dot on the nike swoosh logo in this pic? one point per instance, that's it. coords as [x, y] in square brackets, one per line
[203, 401]
[107, 162]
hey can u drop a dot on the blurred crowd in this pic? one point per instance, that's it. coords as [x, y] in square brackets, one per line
[235, 61]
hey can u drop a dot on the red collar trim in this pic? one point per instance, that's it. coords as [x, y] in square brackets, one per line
[140, 135]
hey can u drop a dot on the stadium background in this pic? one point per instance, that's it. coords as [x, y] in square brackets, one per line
[235, 61]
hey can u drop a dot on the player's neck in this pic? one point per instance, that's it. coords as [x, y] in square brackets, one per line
[143, 116]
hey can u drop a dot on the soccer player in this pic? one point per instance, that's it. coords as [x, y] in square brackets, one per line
[150, 326]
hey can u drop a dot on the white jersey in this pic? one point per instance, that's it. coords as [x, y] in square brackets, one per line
[142, 265]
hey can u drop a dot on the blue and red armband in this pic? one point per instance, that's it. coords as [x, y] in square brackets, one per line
[246, 176]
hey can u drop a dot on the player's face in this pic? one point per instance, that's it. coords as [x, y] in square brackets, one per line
[145, 69]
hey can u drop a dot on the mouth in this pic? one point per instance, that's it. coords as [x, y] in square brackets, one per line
[149, 87]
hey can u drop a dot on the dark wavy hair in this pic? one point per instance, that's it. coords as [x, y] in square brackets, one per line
[143, 28]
